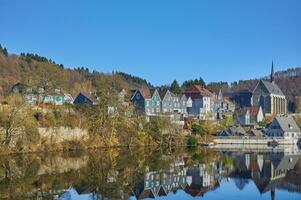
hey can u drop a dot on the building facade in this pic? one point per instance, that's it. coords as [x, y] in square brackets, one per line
[200, 105]
[284, 127]
[269, 96]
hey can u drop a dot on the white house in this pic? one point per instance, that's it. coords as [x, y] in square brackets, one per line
[284, 127]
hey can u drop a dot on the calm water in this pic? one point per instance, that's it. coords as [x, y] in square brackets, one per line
[180, 174]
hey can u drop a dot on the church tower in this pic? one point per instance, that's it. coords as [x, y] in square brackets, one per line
[272, 73]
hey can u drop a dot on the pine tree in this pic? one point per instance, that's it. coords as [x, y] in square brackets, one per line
[5, 52]
[175, 88]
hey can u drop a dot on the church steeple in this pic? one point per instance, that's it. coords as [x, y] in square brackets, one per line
[272, 73]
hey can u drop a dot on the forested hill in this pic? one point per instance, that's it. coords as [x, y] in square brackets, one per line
[289, 81]
[35, 70]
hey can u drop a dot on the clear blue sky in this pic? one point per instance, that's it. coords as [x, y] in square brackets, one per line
[159, 40]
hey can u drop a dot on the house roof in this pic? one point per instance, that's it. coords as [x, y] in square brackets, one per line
[287, 124]
[197, 92]
[233, 131]
[253, 110]
[91, 97]
[272, 87]
[145, 92]
[227, 100]
[257, 133]
[237, 130]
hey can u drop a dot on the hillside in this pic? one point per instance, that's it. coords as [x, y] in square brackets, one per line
[33, 69]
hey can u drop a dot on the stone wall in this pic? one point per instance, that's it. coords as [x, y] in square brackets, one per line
[62, 134]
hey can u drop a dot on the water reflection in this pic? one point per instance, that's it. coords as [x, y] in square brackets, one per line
[149, 174]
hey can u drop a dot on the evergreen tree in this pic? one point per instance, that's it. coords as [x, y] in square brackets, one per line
[175, 88]
[189, 83]
[5, 52]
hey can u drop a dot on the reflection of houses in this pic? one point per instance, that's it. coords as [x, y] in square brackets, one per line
[273, 174]
[267, 170]
[196, 180]
[162, 183]
[204, 178]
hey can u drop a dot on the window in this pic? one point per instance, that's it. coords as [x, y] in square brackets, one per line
[158, 103]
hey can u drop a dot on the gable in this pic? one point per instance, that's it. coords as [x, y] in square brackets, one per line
[156, 96]
[167, 96]
[83, 99]
[261, 89]
[138, 95]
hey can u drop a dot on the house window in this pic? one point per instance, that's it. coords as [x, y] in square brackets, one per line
[158, 103]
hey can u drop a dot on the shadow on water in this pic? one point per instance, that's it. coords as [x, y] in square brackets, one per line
[152, 173]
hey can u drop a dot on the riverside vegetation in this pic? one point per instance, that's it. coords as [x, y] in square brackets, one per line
[25, 128]
[21, 126]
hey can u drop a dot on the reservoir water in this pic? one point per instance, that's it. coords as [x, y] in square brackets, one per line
[163, 174]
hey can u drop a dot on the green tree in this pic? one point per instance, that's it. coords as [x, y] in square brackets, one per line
[175, 88]
[197, 129]
[189, 83]
[5, 52]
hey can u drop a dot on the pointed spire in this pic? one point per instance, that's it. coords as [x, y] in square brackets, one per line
[272, 73]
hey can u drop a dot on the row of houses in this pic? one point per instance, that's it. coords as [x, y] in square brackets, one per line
[34, 95]
[283, 127]
[196, 102]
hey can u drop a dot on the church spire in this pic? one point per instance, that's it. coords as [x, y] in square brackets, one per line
[272, 73]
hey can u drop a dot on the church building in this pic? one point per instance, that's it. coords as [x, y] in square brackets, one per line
[269, 96]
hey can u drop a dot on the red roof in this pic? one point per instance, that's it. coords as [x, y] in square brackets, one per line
[254, 110]
[197, 91]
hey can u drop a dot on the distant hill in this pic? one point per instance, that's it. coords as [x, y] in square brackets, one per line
[288, 80]
[33, 69]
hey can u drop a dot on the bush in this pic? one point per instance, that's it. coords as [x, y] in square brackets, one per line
[192, 141]
[197, 129]
[32, 135]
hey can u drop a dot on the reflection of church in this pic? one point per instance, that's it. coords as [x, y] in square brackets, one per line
[269, 96]
[269, 171]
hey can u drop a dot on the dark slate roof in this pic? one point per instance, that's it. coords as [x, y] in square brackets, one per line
[92, 97]
[272, 88]
[288, 124]
[145, 92]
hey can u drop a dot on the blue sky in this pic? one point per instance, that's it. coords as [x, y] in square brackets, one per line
[160, 40]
